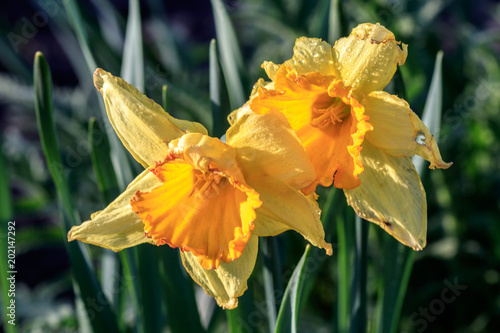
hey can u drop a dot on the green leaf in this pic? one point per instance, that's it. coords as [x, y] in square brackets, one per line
[133, 62]
[88, 286]
[230, 54]
[44, 111]
[334, 26]
[290, 305]
[358, 287]
[215, 91]
[101, 162]
[344, 267]
[271, 273]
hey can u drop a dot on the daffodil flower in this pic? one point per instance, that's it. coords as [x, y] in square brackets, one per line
[209, 198]
[357, 136]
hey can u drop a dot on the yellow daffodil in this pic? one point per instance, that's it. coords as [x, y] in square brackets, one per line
[209, 198]
[357, 136]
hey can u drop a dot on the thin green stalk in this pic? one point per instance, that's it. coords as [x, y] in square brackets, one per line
[231, 58]
[215, 91]
[358, 306]
[268, 272]
[343, 272]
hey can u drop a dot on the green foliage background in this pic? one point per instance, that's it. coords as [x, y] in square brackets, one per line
[464, 201]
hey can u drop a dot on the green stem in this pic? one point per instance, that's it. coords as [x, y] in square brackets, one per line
[358, 308]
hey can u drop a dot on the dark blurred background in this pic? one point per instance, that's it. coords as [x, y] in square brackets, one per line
[464, 201]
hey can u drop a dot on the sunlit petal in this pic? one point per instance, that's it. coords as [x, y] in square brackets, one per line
[392, 196]
[227, 282]
[368, 58]
[398, 131]
[117, 226]
[144, 128]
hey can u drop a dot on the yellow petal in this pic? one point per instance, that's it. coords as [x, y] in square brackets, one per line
[398, 131]
[204, 211]
[229, 280]
[267, 145]
[309, 55]
[284, 208]
[144, 128]
[392, 196]
[117, 226]
[368, 58]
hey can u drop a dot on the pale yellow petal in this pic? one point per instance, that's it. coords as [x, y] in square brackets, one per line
[309, 55]
[398, 131]
[284, 208]
[392, 196]
[227, 282]
[368, 58]
[142, 125]
[267, 145]
[117, 226]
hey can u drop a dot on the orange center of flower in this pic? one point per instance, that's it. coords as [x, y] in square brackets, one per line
[208, 184]
[324, 115]
[208, 212]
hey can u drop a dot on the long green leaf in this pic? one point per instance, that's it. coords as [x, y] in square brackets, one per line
[230, 54]
[215, 91]
[344, 269]
[133, 62]
[97, 306]
[358, 287]
[289, 309]
[334, 26]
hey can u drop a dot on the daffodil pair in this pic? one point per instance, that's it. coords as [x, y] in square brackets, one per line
[209, 198]
[357, 136]
[322, 120]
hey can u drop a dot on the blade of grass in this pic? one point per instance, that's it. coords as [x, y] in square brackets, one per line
[268, 278]
[230, 54]
[398, 269]
[345, 248]
[289, 309]
[133, 62]
[96, 304]
[6, 214]
[334, 24]
[215, 91]
[358, 291]
[358, 310]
